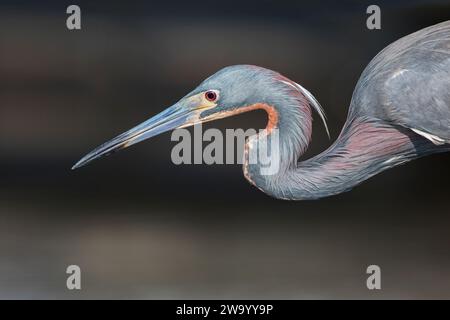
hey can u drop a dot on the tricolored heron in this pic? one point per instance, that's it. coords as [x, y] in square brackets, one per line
[400, 110]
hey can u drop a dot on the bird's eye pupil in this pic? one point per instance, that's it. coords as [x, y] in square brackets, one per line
[211, 95]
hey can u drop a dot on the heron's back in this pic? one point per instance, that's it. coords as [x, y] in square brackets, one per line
[408, 83]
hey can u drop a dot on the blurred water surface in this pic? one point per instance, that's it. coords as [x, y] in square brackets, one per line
[142, 227]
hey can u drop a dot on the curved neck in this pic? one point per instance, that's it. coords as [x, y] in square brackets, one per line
[364, 148]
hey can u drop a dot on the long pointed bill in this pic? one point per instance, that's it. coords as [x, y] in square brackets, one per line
[171, 118]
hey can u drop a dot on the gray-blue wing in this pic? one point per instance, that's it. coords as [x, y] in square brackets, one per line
[408, 83]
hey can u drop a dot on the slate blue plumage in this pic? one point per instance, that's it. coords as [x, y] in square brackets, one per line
[400, 110]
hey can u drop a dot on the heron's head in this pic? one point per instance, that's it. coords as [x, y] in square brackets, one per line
[230, 91]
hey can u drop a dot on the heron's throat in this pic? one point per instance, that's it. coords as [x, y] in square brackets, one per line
[274, 151]
[272, 114]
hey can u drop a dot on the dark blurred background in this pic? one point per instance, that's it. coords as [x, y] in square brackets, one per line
[140, 226]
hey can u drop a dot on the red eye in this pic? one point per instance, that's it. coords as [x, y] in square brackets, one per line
[210, 95]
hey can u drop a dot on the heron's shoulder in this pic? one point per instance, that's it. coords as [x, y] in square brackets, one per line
[407, 82]
[429, 47]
